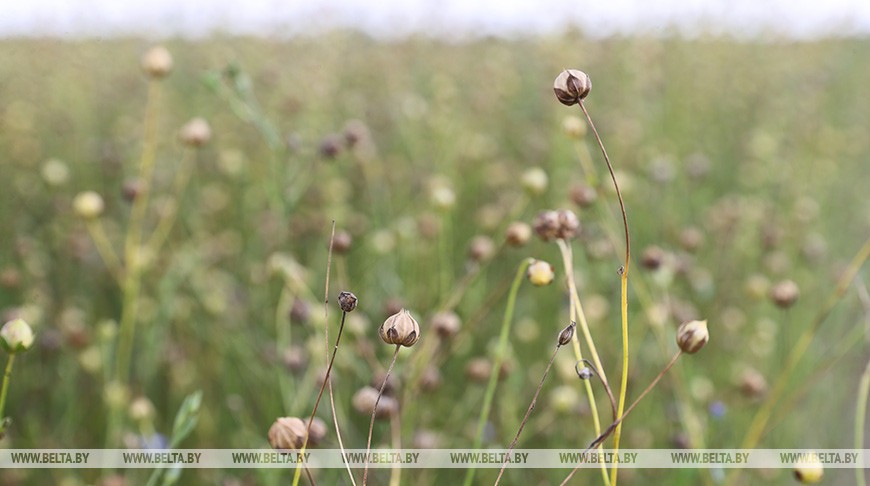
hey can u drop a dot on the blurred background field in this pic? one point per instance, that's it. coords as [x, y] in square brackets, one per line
[744, 162]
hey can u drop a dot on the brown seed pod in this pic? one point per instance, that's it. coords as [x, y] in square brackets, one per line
[400, 328]
[287, 433]
[784, 294]
[195, 133]
[652, 257]
[569, 224]
[571, 86]
[518, 233]
[364, 402]
[481, 249]
[583, 195]
[566, 334]
[446, 324]
[342, 242]
[347, 301]
[546, 225]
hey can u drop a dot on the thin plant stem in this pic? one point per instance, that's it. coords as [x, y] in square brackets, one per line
[375, 410]
[497, 361]
[7, 374]
[396, 432]
[623, 385]
[601, 438]
[326, 378]
[132, 256]
[528, 413]
[576, 311]
[860, 416]
[568, 259]
[283, 340]
[179, 184]
[320, 395]
[132, 249]
[104, 248]
[762, 416]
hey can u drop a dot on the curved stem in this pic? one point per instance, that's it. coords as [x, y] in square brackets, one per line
[576, 311]
[623, 291]
[528, 413]
[498, 360]
[104, 248]
[7, 374]
[601, 438]
[860, 414]
[374, 411]
[164, 226]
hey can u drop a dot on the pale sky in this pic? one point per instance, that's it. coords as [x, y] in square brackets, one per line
[69, 18]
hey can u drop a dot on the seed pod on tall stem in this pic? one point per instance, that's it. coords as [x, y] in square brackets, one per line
[564, 338]
[400, 329]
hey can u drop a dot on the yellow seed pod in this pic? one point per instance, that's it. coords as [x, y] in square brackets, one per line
[809, 471]
[540, 273]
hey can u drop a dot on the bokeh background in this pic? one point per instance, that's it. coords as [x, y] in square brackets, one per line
[739, 135]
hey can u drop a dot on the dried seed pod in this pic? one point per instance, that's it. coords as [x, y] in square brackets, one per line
[287, 433]
[518, 233]
[569, 224]
[131, 189]
[331, 146]
[342, 242]
[431, 378]
[300, 311]
[546, 225]
[692, 336]
[652, 257]
[566, 334]
[318, 431]
[752, 383]
[478, 369]
[294, 359]
[481, 248]
[571, 86]
[347, 301]
[583, 195]
[364, 402]
[157, 62]
[401, 329]
[195, 133]
[540, 273]
[784, 294]
[446, 324]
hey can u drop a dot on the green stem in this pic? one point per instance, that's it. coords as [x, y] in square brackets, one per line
[6, 376]
[374, 412]
[497, 362]
[860, 414]
[623, 292]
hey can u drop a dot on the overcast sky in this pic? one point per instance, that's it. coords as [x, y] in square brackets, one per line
[801, 18]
